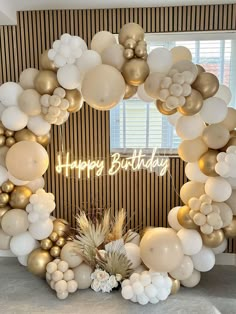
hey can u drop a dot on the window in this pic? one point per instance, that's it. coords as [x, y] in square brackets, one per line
[136, 124]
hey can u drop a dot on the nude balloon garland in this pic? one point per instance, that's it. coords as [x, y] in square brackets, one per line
[102, 254]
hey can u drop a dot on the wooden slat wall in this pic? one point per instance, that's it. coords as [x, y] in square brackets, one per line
[146, 197]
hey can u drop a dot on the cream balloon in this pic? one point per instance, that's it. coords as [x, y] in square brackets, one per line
[27, 78]
[186, 65]
[9, 93]
[191, 189]
[218, 189]
[36, 184]
[41, 229]
[231, 201]
[143, 95]
[38, 125]
[14, 222]
[22, 244]
[204, 260]
[14, 119]
[193, 280]
[193, 172]
[191, 241]
[83, 276]
[114, 56]
[4, 240]
[160, 60]
[161, 249]
[192, 150]
[224, 93]
[184, 270]
[133, 254]
[71, 254]
[230, 120]
[215, 136]
[106, 93]
[190, 127]
[214, 110]
[68, 76]
[3, 175]
[32, 158]
[29, 102]
[102, 40]
[180, 53]
[88, 61]
[226, 213]
[173, 220]
[152, 84]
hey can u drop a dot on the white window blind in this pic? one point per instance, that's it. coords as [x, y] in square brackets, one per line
[136, 124]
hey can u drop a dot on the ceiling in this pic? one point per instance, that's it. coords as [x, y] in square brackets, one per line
[8, 8]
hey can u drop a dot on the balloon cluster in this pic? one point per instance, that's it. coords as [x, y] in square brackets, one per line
[61, 278]
[146, 287]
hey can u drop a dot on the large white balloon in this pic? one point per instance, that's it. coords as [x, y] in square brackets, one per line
[41, 229]
[193, 172]
[160, 60]
[193, 280]
[14, 119]
[214, 110]
[218, 189]
[204, 260]
[22, 244]
[190, 127]
[9, 93]
[224, 93]
[184, 270]
[173, 220]
[38, 125]
[191, 241]
[87, 61]
[68, 76]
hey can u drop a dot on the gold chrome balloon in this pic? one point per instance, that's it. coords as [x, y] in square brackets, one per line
[135, 71]
[55, 251]
[230, 231]
[2, 140]
[46, 244]
[45, 63]
[200, 69]
[53, 236]
[207, 163]
[61, 242]
[4, 199]
[45, 82]
[214, 239]
[184, 219]
[10, 141]
[25, 135]
[161, 108]
[9, 133]
[3, 211]
[37, 262]
[128, 53]
[44, 139]
[75, 100]
[193, 104]
[207, 84]
[130, 91]
[175, 286]
[20, 197]
[2, 130]
[7, 186]
[130, 31]
[61, 227]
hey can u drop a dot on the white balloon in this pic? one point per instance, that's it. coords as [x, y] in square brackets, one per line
[68, 76]
[41, 229]
[184, 270]
[173, 220]
[174, 118]
[87, 61]
[191, 241]
[214, 110]
[38, 125]
[193, 280]
[232, 182]
[22, 244]
[143, 95]
[9, 93]
[2, 108]
[14, 119]
[3, 175]
[36, 184]
[190, 127]
[133, 254]
[114, 56]
[221, 248]
[160, 60]
[224, 93]
[218, 189]
[23, 260]
[193, 172]
[204, 260]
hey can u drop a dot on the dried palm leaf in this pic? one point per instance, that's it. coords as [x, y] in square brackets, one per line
[117, 228]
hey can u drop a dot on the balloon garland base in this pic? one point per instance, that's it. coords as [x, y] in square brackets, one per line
[101, 254]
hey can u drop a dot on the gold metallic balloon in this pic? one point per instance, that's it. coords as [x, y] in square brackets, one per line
[175, 286]
[55, 251]
[128, 53]
[207, 84]
[75, 100]
[45, 63]
[230, 231]
[231, 142]
[46, 244]
[54, 236]
[61, 227]
[193, 104]
[7, 186]
[10, 141]
[45, 82]
[25, 135]
[4, 199]
[184, 219]
[2, 130]
[44, 139]
[130, 91]
[131, 30]
[37, 262]
[207, 163]
[20, 197]
[3, 211]
[61, 242]
[161, 108]
[135, 71]
[9, 133]
[200, 69]
[214, 239]
[2, 140]
[140, 51]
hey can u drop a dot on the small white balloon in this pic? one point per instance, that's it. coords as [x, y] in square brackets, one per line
[214, 110]
[9, 93]
[41, 229]
[191, 241]
[14, 119]
[160, 60]
[190, 127]
[204, 260]
[173, 220]
[133, 254]
[38, 125]
[193, 280]
[22, 244]
[69, 76]
[36, 184]
[218, 189]
[194, 173]
[88, 60]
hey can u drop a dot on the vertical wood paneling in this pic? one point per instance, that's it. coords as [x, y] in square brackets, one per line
[146, 197]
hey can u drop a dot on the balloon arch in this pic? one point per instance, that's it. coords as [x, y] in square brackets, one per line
[100, 254]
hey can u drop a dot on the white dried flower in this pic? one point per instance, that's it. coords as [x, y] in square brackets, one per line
[113, 282]
[95, 285]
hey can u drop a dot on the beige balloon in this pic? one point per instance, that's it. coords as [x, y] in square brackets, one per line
[103, 87]
[207, 163]
[180, 53]
[193, 104]
[207, 84]
[215, 136]
[71, 254]
[4, 240]
[32, 160]
[131, 30]
[29, 102]
[3, 211]
[130, 91]
[83, 276]
[191, 189]
[15, 221]
[152, 84]
[135, 71]
[161, 249]
[230, 121]
[27, 78]
[102, 40]
[114, 56]
[45, 63]
[45, 82]
[3, 153]
[192, 150]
